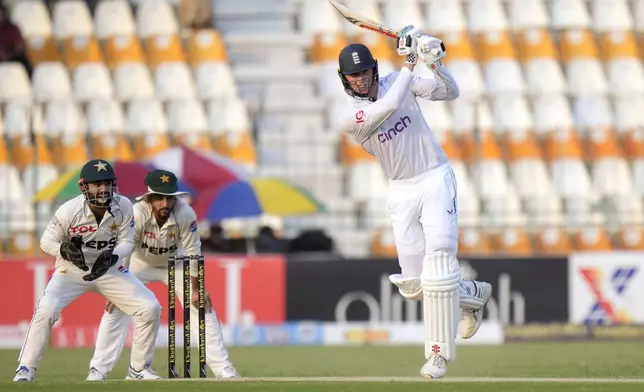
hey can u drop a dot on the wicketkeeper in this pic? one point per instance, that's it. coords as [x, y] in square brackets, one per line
[164, 226]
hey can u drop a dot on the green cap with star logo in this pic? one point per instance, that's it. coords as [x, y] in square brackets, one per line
[162, 182]
[97, 170]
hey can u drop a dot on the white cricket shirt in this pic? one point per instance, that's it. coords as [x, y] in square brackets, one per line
[178, 236]
[393, 128]
[74, 217]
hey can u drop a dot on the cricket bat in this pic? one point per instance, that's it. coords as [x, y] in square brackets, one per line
[361, 20]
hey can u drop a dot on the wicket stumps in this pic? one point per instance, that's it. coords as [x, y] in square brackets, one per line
[186, 303]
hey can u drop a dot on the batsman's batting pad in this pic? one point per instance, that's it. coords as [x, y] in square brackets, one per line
[408, 287]
[440, 282]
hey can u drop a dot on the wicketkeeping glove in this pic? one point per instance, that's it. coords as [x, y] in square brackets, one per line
[72, 252]
[104, 262]
[431, 50]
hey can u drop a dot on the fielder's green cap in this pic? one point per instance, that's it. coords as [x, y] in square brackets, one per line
[161, 182]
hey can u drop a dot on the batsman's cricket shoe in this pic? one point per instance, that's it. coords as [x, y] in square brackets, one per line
[227, 372]
[435, 367]
[24, 373]
[95, 375]
[145, 374]
[471, 319]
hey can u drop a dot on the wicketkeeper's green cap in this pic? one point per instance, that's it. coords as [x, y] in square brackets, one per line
[161, 182]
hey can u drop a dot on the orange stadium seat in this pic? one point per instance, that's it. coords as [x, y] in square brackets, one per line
[495, 45]
[460, 46]
[326, 47]
[41, 49]
[123, 49]
[205, 46]
[592, 239]
[513, 241]
[472, 241]
[577, 44]
[23, 244]
[533, 44]
[552, 241]
[78, 50]
[522, 145]
[106, 124]
[562, 144]
[352, 152]
[487, 149]
[238, 146]
[602, 144]
[163, 48]
[22, 151]
[382, 244]
[630, 238]
[147, 123]
[618, 44]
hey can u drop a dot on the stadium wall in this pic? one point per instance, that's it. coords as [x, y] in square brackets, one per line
[282, 300]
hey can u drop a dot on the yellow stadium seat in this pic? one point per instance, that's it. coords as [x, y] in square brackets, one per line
[535, 44]
[513, 241]
[78, 50]
[22, 151]
[382, 244]
[163, 48]
[41, 50]
[473, 241]
[70, 150]
[237, 146]
[495, 46]
[630, 238]
[326, 47]
[592, 239]
[123, 49]
[23, 244]
[618, 44]
[352, 152]
[460, 46]
[576, 44]
[148, 145]
[112, 147]
[206, 45]
[552, 241]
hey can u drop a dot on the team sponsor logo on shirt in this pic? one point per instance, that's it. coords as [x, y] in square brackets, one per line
[82, 229]
[359, 116]
[193, 226]
[398, 127]
[123, 269]
[132, 222]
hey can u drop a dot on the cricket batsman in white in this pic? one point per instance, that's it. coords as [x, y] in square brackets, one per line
[164, 227]
[90, 236]
[383, 116]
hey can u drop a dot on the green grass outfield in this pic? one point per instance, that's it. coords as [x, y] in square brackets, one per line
[579, 366]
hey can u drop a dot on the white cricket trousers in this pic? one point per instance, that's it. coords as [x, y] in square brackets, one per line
[424, 217]
[114, 327]
[118, 286]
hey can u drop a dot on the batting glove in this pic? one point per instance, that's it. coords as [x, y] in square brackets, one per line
[431, 50]
[408, 41]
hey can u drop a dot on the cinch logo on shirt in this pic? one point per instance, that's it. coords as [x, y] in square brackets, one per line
[397, 128]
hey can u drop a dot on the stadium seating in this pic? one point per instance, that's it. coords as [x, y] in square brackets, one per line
[546, 138]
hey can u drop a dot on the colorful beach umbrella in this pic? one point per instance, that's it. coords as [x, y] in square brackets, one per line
[199, 170]
[254, 197]
[130, 182]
